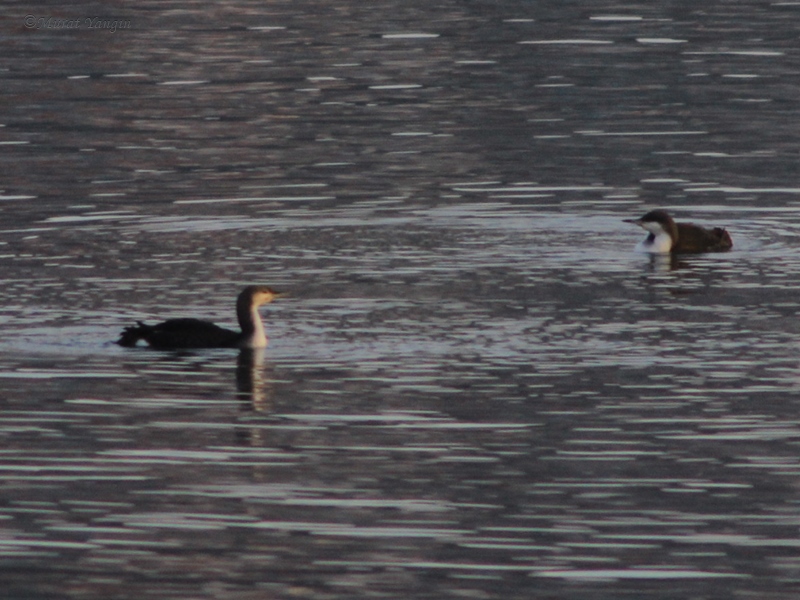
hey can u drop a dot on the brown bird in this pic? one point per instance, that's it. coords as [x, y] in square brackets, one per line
[195, 333]
[665, 235]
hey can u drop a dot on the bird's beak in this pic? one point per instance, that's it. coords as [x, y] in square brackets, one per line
[634, 221]
[279, 294]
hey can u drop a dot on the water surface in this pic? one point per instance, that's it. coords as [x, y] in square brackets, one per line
[475, 387]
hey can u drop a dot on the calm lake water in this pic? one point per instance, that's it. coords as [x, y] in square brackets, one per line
[475, 388]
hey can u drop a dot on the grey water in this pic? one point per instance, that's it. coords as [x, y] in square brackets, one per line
[475, 388]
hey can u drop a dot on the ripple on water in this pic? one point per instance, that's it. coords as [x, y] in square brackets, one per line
[475, 387]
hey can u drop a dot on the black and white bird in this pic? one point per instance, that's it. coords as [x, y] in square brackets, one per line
[665, 235]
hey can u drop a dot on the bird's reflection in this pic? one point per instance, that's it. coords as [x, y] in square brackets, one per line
[254, 391]
[253, 388]
[662, 263]
[682, 276]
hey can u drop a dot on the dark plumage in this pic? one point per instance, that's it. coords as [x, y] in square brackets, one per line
[180, 333]
[665, 235]
[195, 333]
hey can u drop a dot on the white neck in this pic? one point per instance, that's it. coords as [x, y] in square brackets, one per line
[660, 243]
[253, 335]
[256, 339]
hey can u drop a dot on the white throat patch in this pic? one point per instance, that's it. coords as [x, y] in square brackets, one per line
[658, 242]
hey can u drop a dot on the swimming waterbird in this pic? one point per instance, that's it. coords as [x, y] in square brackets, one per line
[195, 333]
[665, 235]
